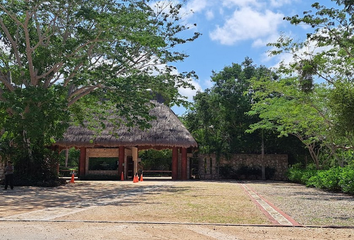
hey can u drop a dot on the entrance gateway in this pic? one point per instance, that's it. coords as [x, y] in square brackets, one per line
[115, 151]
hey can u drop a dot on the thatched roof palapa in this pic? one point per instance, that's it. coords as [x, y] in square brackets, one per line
[166, 131]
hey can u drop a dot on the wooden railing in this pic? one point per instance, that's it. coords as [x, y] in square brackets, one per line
[67, 173]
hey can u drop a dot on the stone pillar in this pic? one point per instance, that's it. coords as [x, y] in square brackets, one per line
[82, 162]
[121, 161]
[174, 163]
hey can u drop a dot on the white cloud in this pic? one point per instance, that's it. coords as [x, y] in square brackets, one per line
[257, 3]
[193, 7]
[197, 5]
[280, 3]
[208, 83]
[209, 15]
[246, 24]
[190, 93]
[240, 3]
[262, 42]
[310, 49]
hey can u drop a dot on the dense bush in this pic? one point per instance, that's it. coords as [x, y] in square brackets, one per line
[300, 175]
[326, 179]
[100, 177]
[156, 160]
[245, 172]
[227, 172]
[346, 180]
[35, 182]
[333, 179]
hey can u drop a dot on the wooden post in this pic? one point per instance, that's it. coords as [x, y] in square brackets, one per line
[82, 162]
[66, 157]
[174, 163]
[121, 161]
[135, 159]
[184, 164]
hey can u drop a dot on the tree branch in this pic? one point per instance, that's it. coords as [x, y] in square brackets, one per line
[29, 51]
[81, 93]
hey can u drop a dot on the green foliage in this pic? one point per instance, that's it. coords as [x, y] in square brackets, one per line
[326, 179]
[325, 56]
[346, 181]
[73, 160]
[217, 119]
[40, 171]
[100, 177]
[156, 160]
[320, 115]
[284, 108]
[245, 172]
[248, 171]
[227, 172]
[342, 105]
[296, 173]
[333, 179]
[70, 61]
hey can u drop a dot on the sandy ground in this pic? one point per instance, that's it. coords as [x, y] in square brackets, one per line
[105, 210]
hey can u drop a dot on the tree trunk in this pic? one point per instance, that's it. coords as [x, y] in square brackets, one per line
[66, 157]
[263, 164]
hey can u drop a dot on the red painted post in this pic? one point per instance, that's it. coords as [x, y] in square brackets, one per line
[82, 162]
[184, 164]
[121, 161]
[174, 163]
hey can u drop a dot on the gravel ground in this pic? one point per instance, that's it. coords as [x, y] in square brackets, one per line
[76, 211]
[308, 206]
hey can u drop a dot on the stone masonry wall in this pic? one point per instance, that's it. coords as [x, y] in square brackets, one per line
[208, 167]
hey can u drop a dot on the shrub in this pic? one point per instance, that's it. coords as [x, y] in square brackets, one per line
[295, 173]
[346, 181]
[330, 179]
[227, 172]
[298, 174]
[99, 177]
[249, 171]
[269, 172]
[333, 179]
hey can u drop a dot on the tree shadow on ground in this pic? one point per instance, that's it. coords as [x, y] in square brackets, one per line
[83, 194]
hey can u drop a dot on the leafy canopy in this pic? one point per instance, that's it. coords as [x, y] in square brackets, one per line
[62, 61]
[313, 100]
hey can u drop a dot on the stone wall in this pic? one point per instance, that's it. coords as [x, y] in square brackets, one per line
[209, 168]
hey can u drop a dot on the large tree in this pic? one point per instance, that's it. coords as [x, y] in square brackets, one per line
[319, 114]
[218, 118]
[62, 60]
[284, 108]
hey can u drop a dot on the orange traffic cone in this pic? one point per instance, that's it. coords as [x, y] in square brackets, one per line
[122, 177]
[72, 178]
[136, 178]
[141, 177]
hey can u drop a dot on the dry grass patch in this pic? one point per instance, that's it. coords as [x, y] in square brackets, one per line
[197, 202]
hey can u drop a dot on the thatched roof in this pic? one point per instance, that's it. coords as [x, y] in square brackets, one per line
[166, 131]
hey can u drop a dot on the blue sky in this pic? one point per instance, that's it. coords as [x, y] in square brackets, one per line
[234, 29]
